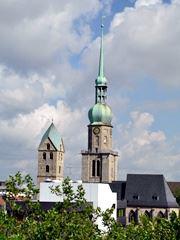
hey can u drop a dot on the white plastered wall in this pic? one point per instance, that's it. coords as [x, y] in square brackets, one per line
[99, 194]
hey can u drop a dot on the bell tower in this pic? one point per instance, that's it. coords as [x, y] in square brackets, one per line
[50, 155]
[99, 162]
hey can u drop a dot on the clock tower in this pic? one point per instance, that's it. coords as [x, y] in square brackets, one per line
[99, 162]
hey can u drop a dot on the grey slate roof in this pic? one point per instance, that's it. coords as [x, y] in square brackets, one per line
[151, 190]
[144, 190]
[118, 187]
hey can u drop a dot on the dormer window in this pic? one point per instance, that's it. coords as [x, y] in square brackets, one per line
[136, 197]
[48, 146]
[155, 197]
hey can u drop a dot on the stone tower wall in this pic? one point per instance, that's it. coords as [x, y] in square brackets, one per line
[56, 165]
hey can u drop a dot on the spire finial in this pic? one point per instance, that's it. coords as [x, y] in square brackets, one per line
[101, 58]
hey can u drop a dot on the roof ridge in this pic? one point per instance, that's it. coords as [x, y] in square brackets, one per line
[53, 135]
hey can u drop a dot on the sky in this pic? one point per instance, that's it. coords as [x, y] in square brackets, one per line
[49, 53]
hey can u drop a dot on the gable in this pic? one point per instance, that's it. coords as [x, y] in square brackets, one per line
[53, 136]
[43, 145]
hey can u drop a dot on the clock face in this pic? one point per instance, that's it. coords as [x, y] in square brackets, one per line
[96, 130]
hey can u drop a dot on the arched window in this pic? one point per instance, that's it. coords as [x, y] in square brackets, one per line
[147, 214]
[47, 168]
[132, 216]
[105, 139]
[160, 214]
[48, 146]
[44, 155]
[93, 168]
[98, 168]
[97, 140]
[51, 155]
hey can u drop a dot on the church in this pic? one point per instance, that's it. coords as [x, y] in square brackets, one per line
[147, 194]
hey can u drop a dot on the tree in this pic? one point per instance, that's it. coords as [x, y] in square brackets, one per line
[74, 219]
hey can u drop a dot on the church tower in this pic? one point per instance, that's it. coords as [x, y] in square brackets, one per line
[99, 162]
[50, 155]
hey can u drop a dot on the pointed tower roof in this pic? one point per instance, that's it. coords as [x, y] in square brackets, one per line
[54, 136]
[100, 113]
[101, 79]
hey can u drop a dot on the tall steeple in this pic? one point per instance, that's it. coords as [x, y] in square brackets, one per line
[101, 59]
[100, 112]
[101, 81]
[99, 163]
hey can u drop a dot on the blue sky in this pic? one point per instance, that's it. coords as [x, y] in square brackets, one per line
[48, 64]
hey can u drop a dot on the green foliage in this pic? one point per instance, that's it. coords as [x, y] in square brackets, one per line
[75, 219]
[21, 186]
[147, 229]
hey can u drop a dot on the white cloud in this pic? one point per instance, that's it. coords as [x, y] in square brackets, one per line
[140, 3]
[22, 134]
[39, 37]
[21, 93]
[145, 151]
[142, 42]
[35, 33]
[142, 120]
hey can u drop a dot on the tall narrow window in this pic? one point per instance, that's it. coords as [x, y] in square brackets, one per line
[93, 168]
[48, 146]
[132, 216]
[44, 155]
[59, 169]
[47, 168]
[97, 140]
[51, 155]
[98, 168]
[147, 214]
[160, 215]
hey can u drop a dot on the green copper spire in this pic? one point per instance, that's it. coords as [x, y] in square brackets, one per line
[101, 58]
[100, 113]
[101, 80]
